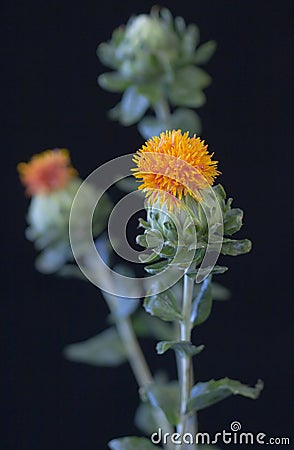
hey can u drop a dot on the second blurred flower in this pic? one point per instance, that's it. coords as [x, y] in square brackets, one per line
[52, 183]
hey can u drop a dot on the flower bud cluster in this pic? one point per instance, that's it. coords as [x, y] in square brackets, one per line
[187, 227]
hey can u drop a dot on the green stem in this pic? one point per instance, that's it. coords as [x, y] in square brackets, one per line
[134, 353]
[137, 362]
[162, 110]
[133, 350]
[187, 421]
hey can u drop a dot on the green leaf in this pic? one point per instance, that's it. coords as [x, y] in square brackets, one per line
[131, 443]
[220, 192]
[105, 349]
[186, 88]
[156, 267]
[144, 224]
[215, 270]
[199, 254]
[205, 394]
[151, 126]
[113, 82]
[220, 292]
[180, 25]
[186, 120]
[154, 238]
[106, 54]
[235, 247]
[141, 240]
[152, 91]
[219, 270]
[163, 305]
[167, 252]
[167, 398]
[107, 51]
[131, 108]
[233, 221]
[165, 14]
[181, 96]
[197, 78]
[146, 257]
[180, 347]
[52, 258]
[204, 52]
[190, 39]
[71, 271]
[150, 326]
[202, 304]
[144, 418]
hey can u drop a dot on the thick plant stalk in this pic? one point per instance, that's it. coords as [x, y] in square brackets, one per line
[188, 422]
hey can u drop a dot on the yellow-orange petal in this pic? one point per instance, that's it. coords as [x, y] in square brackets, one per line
[46, 172]
[176, 164]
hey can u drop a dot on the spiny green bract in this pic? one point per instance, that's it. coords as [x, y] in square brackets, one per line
[187, 226]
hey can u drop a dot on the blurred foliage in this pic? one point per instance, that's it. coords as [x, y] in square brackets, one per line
[48, 224]
[155, 61]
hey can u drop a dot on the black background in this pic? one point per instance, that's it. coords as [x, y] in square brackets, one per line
[51, 99]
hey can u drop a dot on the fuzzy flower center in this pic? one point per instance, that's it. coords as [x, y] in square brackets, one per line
[175, 164]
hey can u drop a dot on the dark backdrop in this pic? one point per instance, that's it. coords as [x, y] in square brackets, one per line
[51, 99]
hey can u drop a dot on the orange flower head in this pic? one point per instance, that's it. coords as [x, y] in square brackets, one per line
[174, 165]
[46, 172]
